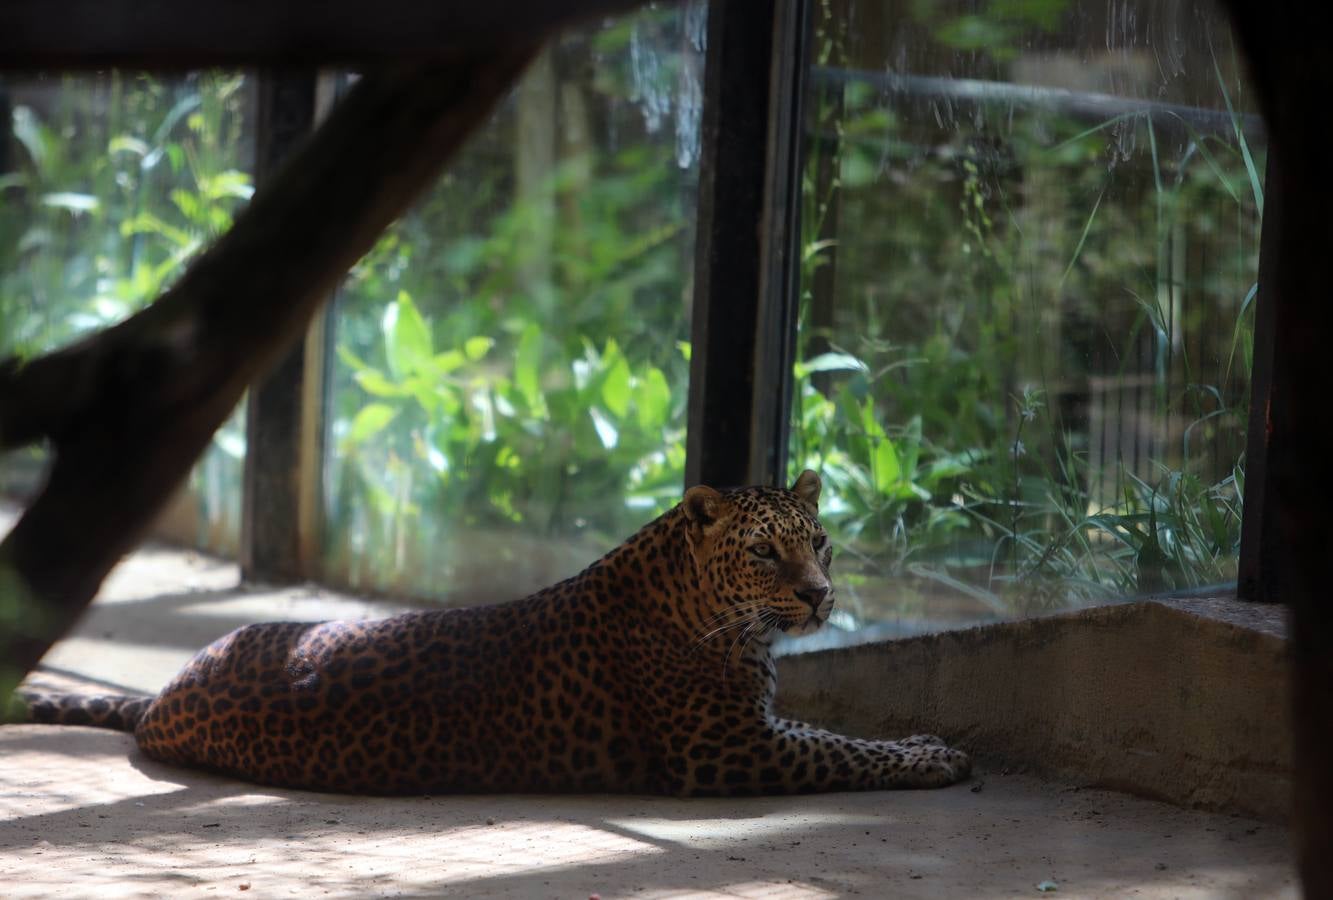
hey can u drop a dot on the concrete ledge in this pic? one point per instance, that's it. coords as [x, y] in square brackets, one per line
[1179, 701]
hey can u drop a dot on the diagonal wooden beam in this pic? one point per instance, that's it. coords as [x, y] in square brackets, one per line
[156, 34]
[128, 410]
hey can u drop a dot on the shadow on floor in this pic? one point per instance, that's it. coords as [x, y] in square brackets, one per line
[80, 807]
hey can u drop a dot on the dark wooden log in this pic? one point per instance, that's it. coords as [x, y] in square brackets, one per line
[271, 538]
[128, 410]
[157, 34]
[1294, 75]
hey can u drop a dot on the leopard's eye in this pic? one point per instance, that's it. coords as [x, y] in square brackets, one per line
[819, 541]
[763, 550]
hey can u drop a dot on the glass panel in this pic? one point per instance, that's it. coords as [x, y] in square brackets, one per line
[1031, 242]
[508, 395]
[109, 185]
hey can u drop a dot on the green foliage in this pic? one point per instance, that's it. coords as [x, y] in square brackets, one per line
[529, 379]
[120, 181]
[1016, 317]
[511, 357]
[117, 182]
[489, 433]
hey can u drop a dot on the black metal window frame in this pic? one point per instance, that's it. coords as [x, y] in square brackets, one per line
[741, 384]
[746, 298]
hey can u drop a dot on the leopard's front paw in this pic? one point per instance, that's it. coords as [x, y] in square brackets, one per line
[929, 763]
[919, 740]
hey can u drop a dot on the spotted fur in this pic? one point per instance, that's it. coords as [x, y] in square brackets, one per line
[650, 672]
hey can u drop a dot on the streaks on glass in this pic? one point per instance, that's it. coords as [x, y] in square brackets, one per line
[666, 75]
[1029, 223]
[691, 88]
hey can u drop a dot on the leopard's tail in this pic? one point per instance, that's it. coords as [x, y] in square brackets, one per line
[117, 711]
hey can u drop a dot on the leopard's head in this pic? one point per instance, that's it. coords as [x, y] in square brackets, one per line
[761, 556]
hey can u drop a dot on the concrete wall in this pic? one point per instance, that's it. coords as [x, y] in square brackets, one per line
[1182, 702]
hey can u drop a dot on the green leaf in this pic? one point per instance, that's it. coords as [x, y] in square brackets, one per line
[952, 465]
[654, 400]
[615, 389]
[1256, 182]
[527, 365]
[373, 382]
[426, 394]
[973, 32]
[369, 422]
[126, 143]
[187, 203]
[477, 347]
[1045, 14]
[350, 359]
[147, 223]
[869, 421]
[75, 203]
[1082, 239]
[888, 471]
[830, 362]
[30, 132]
[407, 341]
[446, 362]
[176, 156]
[229, 184]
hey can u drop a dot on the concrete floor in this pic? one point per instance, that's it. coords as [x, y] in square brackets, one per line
[82, 814]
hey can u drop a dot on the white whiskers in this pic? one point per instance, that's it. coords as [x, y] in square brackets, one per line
[760, 623]
[746, 612]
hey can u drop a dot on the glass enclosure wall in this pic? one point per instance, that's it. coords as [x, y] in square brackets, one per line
[1031, 238]
[509, 376]
[109, 185]
[1029, 251]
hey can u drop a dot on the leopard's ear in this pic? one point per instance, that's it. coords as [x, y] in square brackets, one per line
[707, 515]
[702, 505]
[807, 489]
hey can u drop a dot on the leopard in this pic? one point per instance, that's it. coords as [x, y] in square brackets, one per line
[650, 672]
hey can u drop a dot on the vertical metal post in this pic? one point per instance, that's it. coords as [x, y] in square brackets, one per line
[278, 419]
[1256, 533]
[6, 116]
[780, 286]
[747, 256]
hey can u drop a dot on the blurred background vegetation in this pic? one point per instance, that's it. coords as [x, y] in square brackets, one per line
[1030, 246]
[109, 185]
[1031, 234]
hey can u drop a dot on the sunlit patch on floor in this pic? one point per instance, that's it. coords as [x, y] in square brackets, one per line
[715, 834]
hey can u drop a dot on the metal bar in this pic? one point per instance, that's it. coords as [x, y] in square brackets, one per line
[6, 116]
[780, 243]
[1088, 105]
[155, 34]
[825, 206]
[742, 323]
[730, 214]
[271, 505]
[1256, 532]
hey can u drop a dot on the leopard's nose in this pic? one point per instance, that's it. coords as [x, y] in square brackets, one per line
[813, 596]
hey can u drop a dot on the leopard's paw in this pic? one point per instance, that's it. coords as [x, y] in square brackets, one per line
[930, 765]
[920, 740]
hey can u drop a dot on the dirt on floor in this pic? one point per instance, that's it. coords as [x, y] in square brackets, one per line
[83, 814]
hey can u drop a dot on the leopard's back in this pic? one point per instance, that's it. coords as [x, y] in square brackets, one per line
[440, 701]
